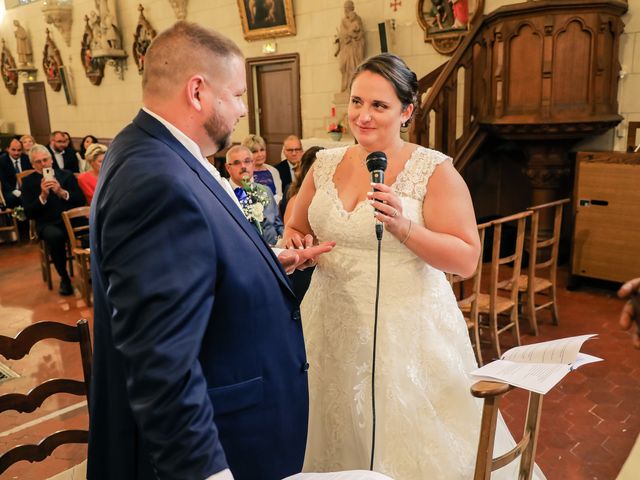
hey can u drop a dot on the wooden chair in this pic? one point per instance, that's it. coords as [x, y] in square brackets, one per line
[8, 224]
[543, 265]
[21, 175]
[45, 257]
[469, 304]
[492, 305]
[15, 349]
[78, 237]
[492, 392]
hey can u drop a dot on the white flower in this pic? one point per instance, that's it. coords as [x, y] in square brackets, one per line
[257, 211]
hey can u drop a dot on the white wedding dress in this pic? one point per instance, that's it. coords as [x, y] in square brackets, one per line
[427, 421]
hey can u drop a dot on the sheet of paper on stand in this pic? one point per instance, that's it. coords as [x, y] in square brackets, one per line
[349, 475]
[538, 367]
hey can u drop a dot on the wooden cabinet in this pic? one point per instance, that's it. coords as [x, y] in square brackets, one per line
[606, 236]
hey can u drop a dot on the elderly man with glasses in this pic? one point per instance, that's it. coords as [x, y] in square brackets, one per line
[257, 201]
[292, 150]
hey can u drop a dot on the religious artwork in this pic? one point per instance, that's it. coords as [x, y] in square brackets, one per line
[8, 66]
[446, 22]
[142, 39]
[51, 63]
[266, 18]
[59, 14]
[106, 33]
[93, 67]
[350, 44]
[179, 8]
[25, 54]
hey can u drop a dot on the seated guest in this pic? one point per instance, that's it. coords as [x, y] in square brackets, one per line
[82, 153]
[305, 164]
[63, 157]
[44, 201]
[12, 162]
[27, 142]
[263, 173]
[256, 200]
[68, 142]
[292, 149]
[300, 279]
[88, 180]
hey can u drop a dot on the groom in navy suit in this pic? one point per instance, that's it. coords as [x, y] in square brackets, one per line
[199, 367]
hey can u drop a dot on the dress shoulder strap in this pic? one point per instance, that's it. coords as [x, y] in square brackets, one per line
[325, 165]
[412, 181]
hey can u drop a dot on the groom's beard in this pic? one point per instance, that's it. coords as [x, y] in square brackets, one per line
[217, 132]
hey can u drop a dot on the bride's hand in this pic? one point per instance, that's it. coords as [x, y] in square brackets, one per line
[389, 209]
[295, 239]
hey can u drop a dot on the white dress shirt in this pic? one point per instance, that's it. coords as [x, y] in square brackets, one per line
[194, 150]
[17, 165]
[59, 158]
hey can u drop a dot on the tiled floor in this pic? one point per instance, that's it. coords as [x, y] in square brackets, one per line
[589, 421]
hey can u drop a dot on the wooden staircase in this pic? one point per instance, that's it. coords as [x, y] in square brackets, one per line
[481, 90]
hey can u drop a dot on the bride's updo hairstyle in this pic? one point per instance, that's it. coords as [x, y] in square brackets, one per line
[393, 69]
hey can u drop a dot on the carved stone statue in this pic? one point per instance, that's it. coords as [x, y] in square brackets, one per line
[350, 44]
[109, 38]
[25, 54]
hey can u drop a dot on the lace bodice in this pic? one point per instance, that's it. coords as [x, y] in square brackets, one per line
[356, 228]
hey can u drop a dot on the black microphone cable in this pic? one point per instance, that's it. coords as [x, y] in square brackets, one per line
[376, 164]
[375, 341]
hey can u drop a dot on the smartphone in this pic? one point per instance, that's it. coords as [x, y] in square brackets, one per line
[47, 173]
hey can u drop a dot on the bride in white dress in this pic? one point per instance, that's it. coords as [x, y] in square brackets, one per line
[427, 421]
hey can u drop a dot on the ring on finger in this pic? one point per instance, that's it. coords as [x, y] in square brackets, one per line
[395, 213]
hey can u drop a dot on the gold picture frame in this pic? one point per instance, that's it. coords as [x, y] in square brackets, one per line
[266, 18]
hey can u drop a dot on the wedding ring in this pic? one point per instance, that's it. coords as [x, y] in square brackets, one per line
[395, 213]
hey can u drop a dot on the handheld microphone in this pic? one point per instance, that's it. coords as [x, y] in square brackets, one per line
[376, 164]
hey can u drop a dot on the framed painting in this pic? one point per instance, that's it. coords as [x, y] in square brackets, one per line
[447, 22]
[266, 18]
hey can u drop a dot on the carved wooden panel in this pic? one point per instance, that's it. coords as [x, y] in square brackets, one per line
[524, 71]
[572, 67]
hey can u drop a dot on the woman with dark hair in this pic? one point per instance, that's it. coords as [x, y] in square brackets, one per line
[84, 144]
[300, 279]
[306, 161]
[427, 422]
[81, 154]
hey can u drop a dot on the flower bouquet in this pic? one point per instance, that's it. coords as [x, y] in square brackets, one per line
[335, 130]
[253, 200]
[18, 213]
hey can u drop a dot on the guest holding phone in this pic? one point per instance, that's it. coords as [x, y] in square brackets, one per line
[46, 193]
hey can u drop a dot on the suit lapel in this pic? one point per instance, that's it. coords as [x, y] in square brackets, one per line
[154, 128]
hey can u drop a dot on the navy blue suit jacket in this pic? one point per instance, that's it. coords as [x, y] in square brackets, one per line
[8, 178]
[199, 361]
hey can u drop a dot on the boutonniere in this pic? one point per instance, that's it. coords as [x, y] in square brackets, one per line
[253, 200]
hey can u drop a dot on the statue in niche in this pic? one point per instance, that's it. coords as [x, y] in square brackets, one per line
[25, 54]
[104, 25]
[350, 44]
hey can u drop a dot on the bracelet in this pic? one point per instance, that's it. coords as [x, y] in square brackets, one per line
[408, 233]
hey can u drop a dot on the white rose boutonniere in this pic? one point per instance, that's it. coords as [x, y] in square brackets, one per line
[253, 199]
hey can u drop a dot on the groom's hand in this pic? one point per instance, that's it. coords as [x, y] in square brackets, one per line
[301, 258]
